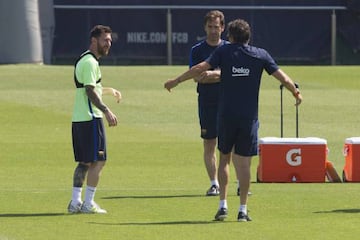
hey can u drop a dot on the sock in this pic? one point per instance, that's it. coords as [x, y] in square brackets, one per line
[76, 195]
[238, 184]
[90, 194]
[223, 204]
[214, 182]
[243, 208]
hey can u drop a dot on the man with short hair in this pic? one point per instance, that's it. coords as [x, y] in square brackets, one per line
[241, 70]
[88, 133]
[208, 93]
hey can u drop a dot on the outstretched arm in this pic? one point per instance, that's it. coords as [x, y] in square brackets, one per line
[191, 73]
[113, 92]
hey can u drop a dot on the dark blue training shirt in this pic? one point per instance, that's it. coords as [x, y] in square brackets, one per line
[208, 93]
[241, 69]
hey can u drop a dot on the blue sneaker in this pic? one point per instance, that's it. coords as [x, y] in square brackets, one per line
[242, 217]
[213, 191]
[221, 214]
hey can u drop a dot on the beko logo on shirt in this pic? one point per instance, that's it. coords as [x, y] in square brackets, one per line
[240, 72]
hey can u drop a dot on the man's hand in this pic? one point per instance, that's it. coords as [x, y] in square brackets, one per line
[298, 98]
[117, 95]
[208, 77]
[113, 92]
[111, 118]
[171, 84]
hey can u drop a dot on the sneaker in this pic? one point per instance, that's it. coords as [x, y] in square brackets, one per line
[74, 208]
[221, 214]
[213, 191]
[238, 192]
[92, 208]
[242, 217]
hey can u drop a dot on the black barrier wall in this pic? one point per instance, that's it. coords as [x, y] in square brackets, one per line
[291, 36]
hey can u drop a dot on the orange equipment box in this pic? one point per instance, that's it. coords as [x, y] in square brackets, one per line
[292, 159]
[351, 172]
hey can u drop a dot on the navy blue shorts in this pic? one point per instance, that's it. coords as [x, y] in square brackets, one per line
[208, 120]
[240, 135]
[89, 141]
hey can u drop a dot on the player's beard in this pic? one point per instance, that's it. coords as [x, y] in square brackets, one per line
[102, 50]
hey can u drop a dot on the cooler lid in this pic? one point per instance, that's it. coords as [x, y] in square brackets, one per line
[353, 140]
[307, 140]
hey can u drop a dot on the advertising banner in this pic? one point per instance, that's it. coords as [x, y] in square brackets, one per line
[289, 35]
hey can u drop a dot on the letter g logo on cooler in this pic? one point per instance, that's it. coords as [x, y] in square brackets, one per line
[293, 157]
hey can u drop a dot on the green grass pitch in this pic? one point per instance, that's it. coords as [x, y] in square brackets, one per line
[154, 182]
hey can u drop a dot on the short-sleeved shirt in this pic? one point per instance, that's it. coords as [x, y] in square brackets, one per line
[208, 93]
[241, 69]
[87, 72]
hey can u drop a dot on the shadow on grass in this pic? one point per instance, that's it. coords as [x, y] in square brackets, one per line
[160, 223]
[21, 215]
[351, 210]
[152, 197]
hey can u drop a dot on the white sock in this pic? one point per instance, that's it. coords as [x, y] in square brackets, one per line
[76, 195]
[90, 194]
[214, 182]
[238, 184]
[243, 208]
[223, 204]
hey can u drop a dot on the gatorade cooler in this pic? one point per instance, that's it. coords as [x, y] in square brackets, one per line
[292, 159]
[351, 172]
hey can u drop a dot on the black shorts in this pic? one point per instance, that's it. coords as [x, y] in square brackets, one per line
[89, 141]
[208, 120]
[238, 135]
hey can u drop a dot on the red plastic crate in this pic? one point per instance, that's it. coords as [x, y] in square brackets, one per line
[292, 159]
[351, 172]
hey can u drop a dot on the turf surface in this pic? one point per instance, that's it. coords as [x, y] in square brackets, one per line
[154, 183]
